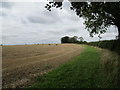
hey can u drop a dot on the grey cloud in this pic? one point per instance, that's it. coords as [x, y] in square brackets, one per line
[55, 32]
[74, 18]
[37, 25]
[52, 13]
[35, 19]
[71, 14]
[23, 21]
[9, 36]
[33, 32]
[45, 17]
[112, 29]
[66, 5]
[7, 4]
[3, 14]
[72, 30]
[108, 35]
[41, 20]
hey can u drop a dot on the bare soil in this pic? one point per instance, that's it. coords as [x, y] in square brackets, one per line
[22, 63]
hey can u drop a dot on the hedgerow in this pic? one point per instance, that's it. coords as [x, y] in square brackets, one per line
[113, 45]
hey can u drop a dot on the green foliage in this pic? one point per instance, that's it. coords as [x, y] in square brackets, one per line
[65, 39]
[81, 42]
[73, 39]
[81, 39]
[108, 44]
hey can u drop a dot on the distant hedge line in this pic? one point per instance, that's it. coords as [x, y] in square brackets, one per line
[113, 45]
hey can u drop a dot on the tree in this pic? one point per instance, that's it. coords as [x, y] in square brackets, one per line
[72, 40]
[98, 15]
[65, 39]
[75, 37]
[81, 39]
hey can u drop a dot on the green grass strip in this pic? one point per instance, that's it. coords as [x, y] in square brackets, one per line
[85, 71]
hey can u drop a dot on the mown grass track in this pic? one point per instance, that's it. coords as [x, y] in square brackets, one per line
[85, 71]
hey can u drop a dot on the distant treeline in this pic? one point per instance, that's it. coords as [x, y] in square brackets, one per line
[113, 45]
[74, 39]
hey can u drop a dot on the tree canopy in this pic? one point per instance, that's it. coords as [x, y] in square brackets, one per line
[65, 39]
[68, 39]
[98, 15]
[74, 39]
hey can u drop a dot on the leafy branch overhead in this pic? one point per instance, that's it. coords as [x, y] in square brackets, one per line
[98, 15]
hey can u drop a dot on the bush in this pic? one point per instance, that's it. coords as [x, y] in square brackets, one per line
[113, 45]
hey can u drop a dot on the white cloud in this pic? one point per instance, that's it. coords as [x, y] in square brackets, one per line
[30, 22]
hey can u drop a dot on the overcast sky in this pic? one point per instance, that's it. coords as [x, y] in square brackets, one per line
[30, 22]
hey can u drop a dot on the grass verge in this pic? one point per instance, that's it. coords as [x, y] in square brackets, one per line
[85, 71]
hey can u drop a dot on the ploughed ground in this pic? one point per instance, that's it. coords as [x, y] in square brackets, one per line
[22, 63]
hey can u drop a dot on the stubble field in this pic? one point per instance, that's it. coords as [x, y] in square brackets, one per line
[22, 63]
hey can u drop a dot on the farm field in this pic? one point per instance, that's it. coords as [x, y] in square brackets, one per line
[22, 63]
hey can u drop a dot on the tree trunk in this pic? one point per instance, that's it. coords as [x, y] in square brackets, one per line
[118, 41]
[118, 26]
[119, 32]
